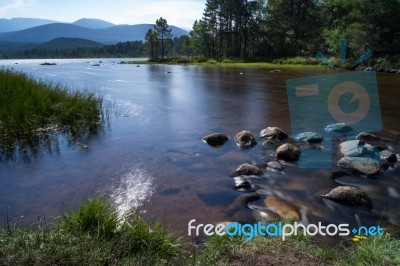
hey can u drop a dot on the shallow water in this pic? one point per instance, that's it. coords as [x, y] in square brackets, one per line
[150, 155]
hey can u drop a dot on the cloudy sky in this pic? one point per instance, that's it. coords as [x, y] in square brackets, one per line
[177, 12]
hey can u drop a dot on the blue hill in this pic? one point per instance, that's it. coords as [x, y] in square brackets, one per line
[15, 24]
[109, 35]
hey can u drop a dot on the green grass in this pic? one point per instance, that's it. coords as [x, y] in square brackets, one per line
[381, 250]
[30, 110]
[93, 235]
[290, 63]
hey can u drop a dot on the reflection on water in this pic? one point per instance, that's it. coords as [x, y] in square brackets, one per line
[30, 144]
[160, 120]
[121, 107]
[134, 185]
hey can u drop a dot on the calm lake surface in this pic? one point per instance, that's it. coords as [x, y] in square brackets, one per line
[149, 155]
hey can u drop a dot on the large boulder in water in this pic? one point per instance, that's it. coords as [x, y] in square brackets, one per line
[288, 152]
[367, 136]
[310, 137]
[215, 139]
[248, 169]
[275, 166]
[245, 139]
[349, 196]
[360, 165]
[357, 148]
[274, 133]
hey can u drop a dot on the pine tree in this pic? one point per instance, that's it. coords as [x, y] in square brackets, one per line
[163, 33]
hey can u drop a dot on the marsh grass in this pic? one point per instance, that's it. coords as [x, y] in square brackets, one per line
[32, 111]
[93, 235]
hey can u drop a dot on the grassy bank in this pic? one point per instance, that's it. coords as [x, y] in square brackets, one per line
[94, 235]
[30, 108]
[289, 63]
[299, 250]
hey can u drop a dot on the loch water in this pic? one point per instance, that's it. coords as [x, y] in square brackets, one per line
[149, 155]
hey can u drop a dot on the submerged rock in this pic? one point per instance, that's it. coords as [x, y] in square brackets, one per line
[215, 139]
[248, 169]
[357, 148]
[285, 210]
[275, 166]
[274, 133]
[360, 165]
[265, 216]
[349, 196]
[242, 200]
[338, 128]
[288, 152]
[245, 139]
[310, 137]
[243, 216]
[388, 156]
[367, 136]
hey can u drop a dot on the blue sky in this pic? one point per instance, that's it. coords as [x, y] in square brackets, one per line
[177, 12]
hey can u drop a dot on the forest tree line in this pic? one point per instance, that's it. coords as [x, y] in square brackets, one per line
[271, 29]
[287, 28]
[130, 49]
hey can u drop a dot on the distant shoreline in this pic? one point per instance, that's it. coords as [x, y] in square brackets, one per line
[213, 63]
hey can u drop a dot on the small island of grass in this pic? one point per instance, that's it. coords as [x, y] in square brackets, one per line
[289, 63]
[31, 110]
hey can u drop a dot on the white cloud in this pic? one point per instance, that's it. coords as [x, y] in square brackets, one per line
[177, 13]
[7, 7]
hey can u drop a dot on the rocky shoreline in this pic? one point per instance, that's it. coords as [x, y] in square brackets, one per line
[381, 69]
[365, 157]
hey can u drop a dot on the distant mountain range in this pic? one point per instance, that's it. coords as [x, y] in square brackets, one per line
[14, 24]
[20, 33]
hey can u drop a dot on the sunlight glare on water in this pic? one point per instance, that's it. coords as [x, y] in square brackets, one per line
[134, 187]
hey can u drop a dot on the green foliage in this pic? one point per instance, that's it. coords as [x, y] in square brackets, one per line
[91, 236]
[378, 250]
[30, 110]
[163, 33]
[95, 217]
[94, 235]
[289, 28]
[151, 44]
[223, 250]
[220, 249]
